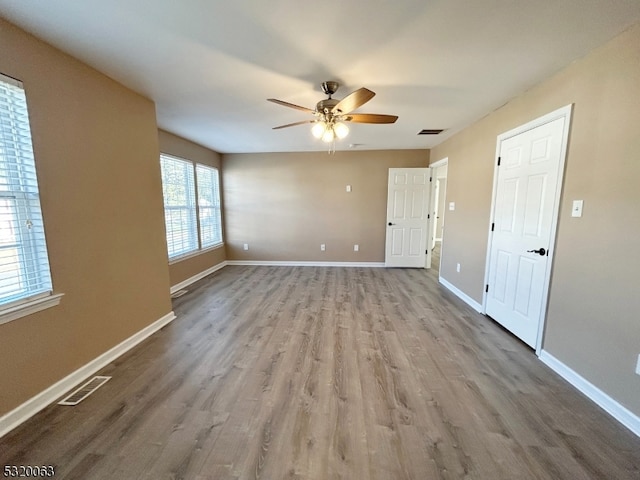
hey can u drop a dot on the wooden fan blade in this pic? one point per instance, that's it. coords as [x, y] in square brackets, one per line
[290, 105]
[371, 118]
[293, 124]
[353, 101]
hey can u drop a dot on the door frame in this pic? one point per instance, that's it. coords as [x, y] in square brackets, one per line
[563, 112]
[432, 221]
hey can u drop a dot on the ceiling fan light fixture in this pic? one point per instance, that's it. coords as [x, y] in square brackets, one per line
[341, 130]
[329, 135]
[332, 114]
[318, 129]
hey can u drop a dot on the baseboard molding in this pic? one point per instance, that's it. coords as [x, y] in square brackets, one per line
[461, 295]
[20, 414]
[305, 264]
[198, 276]
[604, 401]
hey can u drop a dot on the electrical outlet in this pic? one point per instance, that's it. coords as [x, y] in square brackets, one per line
[323, 247]
[356, 248]
[348, 188]
[245, 246]
[638, 366]
[458, 267]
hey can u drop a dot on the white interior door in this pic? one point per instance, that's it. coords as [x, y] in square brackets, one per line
[525, 210]
[407, 215]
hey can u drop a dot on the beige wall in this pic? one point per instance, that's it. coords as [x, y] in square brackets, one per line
[284, 205]
[96, 150]
[592, 323]
[173, 145]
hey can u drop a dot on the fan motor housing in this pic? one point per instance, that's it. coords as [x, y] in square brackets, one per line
[326, 105]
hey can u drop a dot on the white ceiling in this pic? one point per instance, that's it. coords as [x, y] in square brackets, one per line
[211, 65]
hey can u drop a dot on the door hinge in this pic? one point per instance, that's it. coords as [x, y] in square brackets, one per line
[426, 252]
[486, 288]
[498, 161]
[428, 216]
[493, 225]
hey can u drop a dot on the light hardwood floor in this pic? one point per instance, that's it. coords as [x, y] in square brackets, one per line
[327, 373]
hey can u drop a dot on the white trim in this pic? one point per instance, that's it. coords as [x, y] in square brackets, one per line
[23, 309]
[461, 295]
[600, 398]
[12, 81]
[563, 112]
[305, 264]
[23, 412]
[439, 163]
[197, 276]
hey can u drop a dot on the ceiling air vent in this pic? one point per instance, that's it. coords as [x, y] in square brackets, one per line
[430, 131]
[84, 391]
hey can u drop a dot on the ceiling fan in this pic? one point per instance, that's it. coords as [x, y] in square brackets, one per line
[331, 114]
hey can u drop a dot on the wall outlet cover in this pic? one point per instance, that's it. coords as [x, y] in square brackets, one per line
[576, 208]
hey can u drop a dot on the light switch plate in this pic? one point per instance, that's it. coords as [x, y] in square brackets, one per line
[452, 206]
[638, 366]
[348, 188]
[576, 209]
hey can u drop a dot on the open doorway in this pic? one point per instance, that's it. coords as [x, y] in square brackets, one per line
[439, 182]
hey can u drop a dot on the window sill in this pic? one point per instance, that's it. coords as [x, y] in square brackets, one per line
[18, 311]
[195, 254]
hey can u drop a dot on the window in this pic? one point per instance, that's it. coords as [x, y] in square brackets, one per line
[24, 264]
[191, 206]
[209, 213]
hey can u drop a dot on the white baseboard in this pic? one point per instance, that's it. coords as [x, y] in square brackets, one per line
[460, 294]
[20, 414]
[604, 401]
[198, 276]
[305, 264]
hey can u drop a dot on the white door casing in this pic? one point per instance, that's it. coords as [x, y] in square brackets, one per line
[433, 215]
[438, 190]
[527, 188]
[407, 215]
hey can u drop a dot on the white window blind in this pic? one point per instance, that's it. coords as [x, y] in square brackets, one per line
[24, 264]
[209, 212]
[178, 188]
[193, 221]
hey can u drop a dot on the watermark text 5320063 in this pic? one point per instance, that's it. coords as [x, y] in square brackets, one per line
[28, 471]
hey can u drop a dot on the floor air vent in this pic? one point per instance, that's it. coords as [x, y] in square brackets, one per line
[84, 391]
[179, 293]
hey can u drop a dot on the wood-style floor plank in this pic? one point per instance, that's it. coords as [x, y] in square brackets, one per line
[327, 373]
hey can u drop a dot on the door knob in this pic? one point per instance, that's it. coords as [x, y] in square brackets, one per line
[540, 251]
[390, 224]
